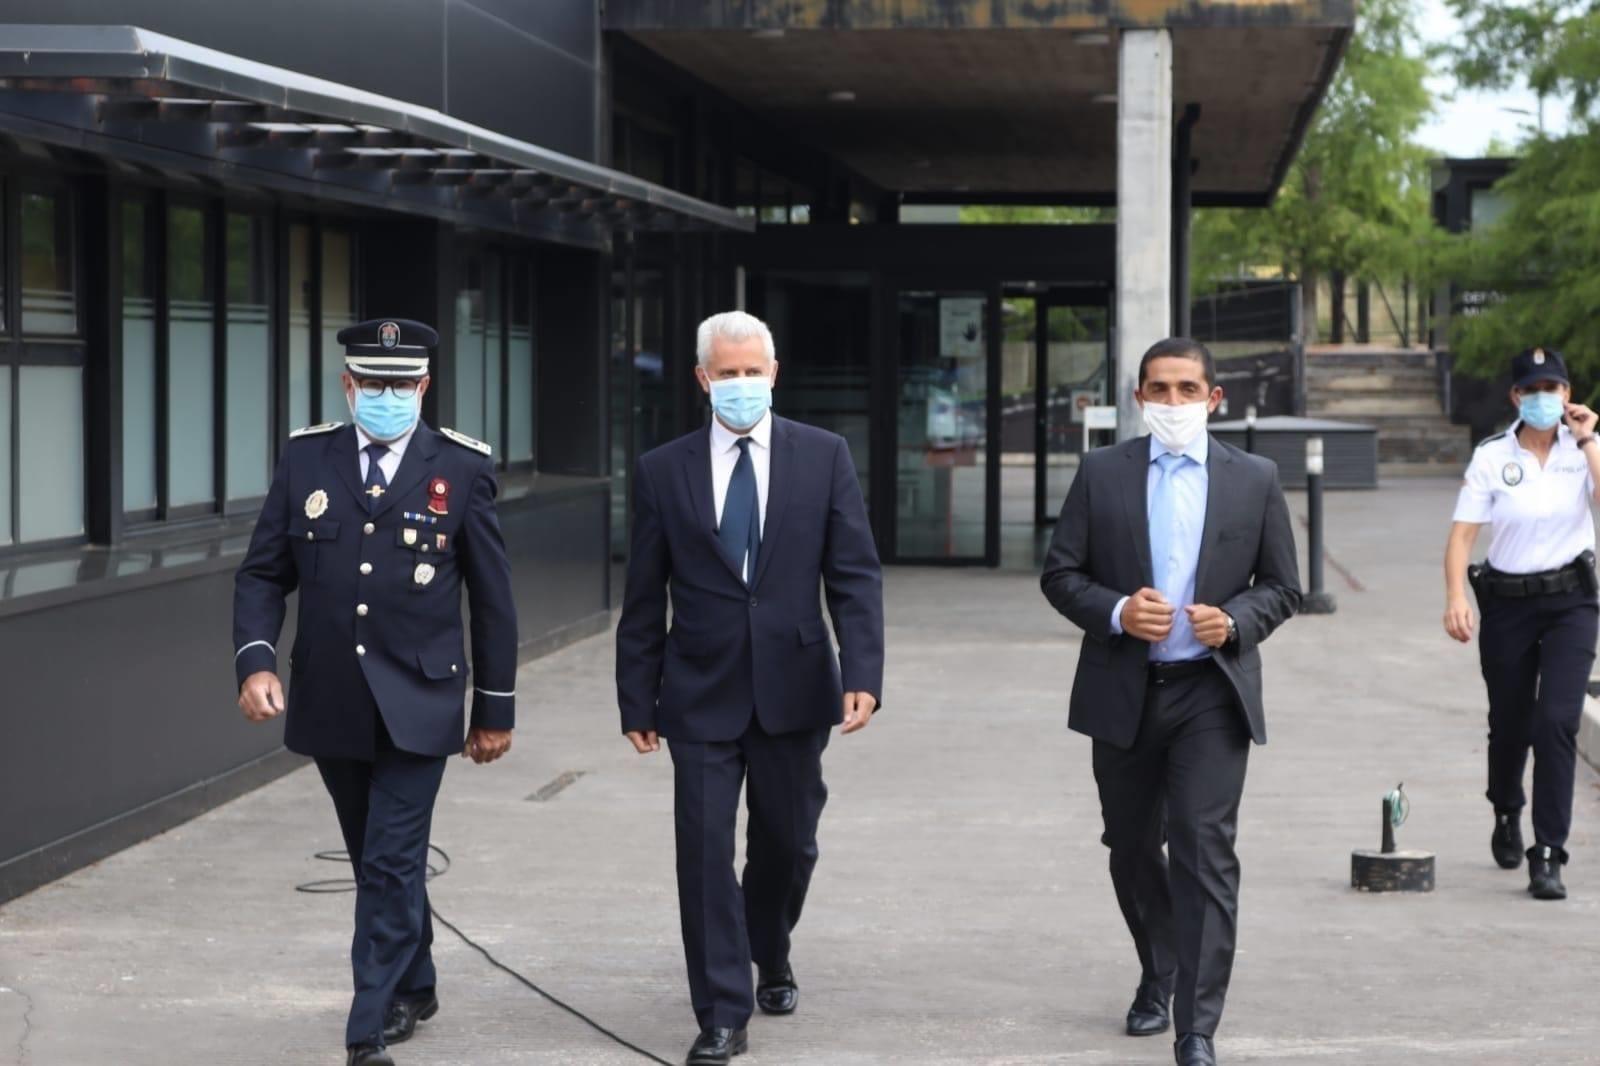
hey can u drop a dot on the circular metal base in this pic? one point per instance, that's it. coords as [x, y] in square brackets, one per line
[1318, 603]
[1396, 871]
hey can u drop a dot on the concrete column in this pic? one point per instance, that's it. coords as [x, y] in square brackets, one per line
[1144, 209]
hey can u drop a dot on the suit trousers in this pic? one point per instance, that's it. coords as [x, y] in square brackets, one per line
[385, 810]
[1180, 783]
[1536, 655]
[727, 924]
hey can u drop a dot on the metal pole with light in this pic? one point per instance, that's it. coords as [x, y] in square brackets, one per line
[1250, 429]
[1316, 600]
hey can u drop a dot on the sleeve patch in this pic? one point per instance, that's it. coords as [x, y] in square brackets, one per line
[466, 441]
[311, 431]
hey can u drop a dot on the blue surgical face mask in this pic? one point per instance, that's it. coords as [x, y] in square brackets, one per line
[1541, 410]
[386, 417]
[740, 402]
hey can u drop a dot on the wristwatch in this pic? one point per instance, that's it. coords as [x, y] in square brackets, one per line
[1584, 442]
[1233, 630]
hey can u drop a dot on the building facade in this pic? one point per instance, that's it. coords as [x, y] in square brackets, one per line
[194, 199]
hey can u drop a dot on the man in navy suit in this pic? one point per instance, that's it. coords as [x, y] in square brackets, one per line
[744, 527]
[380, 525]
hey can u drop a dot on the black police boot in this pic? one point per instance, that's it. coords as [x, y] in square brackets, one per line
[717, 1047]
[369, 1055]
[1507, 840]
[1544, 872]
[777, 992]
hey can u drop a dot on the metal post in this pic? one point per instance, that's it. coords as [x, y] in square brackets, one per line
[1316, 600]
[1250, 429]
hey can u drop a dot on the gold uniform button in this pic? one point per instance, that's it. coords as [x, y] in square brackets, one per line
[361, 609]
[361, 649]
[369, 528]
[366, 568]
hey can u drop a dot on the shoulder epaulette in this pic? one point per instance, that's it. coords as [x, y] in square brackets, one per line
[311, 431]
[466, 441]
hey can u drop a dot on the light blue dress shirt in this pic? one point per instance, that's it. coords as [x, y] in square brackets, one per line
[1175, 499]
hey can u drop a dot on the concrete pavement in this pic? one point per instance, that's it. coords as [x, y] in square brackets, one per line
[961, 910]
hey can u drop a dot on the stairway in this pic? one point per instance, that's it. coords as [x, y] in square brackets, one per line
[1397, 392]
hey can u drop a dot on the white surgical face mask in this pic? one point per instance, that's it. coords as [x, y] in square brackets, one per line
[1176, 426]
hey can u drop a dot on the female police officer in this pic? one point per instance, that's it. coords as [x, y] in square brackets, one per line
[1532, 486]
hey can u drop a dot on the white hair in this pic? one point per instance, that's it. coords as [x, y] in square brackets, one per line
[732, 326]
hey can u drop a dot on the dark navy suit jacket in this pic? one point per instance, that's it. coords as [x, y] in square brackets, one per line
[733, 649]
[394, 632]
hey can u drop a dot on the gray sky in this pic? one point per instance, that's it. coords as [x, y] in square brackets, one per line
[1463, 125]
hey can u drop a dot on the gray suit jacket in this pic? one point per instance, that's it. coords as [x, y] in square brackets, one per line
[1101, 552]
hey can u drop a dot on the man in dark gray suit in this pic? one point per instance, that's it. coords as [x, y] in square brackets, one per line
[1175, 556]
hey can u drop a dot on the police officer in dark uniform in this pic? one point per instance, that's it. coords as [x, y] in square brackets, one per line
[379, 525]
[1533, 487]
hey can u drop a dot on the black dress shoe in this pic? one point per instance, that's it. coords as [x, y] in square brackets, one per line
[1507, 840]
[1149, 1014]
[404, 1014]
[1544, 872]
[777, 993]
[717, 1046]
[369, 1055]
[1192, 1049]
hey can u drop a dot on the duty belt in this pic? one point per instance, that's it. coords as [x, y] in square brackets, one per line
[1569, 578]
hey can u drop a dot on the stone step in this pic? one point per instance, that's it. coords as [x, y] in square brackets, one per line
[1368, 357]
[1365, 379]
[1359, 408]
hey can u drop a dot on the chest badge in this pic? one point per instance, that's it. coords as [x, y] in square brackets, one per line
[317, 504]
[439, 496]
[1512, 474]
[409, 536]
[423, 574]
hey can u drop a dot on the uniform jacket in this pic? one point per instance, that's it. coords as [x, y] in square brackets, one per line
[1101, 552]
[394, 631]
[735, 649]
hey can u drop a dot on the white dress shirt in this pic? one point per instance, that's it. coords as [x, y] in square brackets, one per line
[389, 463]
[1538, 516]
[725, 453]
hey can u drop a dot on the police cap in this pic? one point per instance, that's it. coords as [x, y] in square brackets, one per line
[388, 348]
[1533, 365]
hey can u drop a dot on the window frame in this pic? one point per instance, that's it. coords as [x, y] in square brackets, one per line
[19, 350]
[509, 256]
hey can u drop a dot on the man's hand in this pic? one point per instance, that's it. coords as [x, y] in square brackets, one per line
[1210, 624]
[1581, 420]
[858, 708]
[261, 696]
[644, 741]
[1148, 616]
[486, 745]
[1458, 620]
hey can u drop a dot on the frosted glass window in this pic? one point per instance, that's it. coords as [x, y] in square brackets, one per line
[49, 298]
[50, 432]
[469, 345]
[519, 366]
[492, 380]
[5, 454]
[138, 364]
[338, 311]
[249, 377]
[300, 293]
[191, 353]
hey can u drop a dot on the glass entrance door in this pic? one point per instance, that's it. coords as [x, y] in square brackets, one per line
[946, 476]
[1073, 353]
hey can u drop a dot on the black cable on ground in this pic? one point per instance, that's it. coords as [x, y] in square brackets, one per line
[347, 884]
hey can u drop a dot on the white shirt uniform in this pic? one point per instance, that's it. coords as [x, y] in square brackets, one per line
[725, 453]
[1538, 517]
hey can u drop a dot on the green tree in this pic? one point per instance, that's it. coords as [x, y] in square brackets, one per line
[1542, 258]
[1355, 200]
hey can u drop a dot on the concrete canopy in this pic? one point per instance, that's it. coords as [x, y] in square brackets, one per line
[1008, 99]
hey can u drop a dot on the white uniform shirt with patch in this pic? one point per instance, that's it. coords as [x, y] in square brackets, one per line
[1538, 518]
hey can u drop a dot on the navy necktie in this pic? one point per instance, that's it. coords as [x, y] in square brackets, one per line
[740, 532]
[376, 482]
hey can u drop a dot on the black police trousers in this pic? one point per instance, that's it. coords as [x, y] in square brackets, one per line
[727, 924]
[385, 810]
[1537, 653]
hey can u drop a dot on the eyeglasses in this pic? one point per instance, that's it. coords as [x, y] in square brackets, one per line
[372, 388]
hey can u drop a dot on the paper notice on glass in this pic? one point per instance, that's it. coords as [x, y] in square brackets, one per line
[961, 328]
